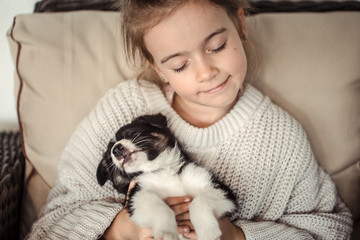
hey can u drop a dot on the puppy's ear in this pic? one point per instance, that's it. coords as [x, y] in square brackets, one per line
[103, 170]
[102, 173]
[118, 134]
[157, 120]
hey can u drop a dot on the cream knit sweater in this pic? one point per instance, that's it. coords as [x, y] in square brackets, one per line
[257, 149]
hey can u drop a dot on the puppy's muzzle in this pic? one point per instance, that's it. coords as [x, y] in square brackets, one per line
[121, 153]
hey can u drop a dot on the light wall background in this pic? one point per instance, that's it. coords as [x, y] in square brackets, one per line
[8, 9]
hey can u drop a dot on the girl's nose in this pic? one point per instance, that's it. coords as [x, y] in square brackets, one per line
[206, 70]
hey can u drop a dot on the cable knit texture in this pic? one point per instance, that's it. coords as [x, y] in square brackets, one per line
[257, 149]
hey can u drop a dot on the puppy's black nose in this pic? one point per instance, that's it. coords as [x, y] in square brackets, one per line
[118, 150]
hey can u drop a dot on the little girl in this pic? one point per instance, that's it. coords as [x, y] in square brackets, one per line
[196, 75]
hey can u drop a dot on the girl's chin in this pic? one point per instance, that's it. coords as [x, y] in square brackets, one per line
[226, 99]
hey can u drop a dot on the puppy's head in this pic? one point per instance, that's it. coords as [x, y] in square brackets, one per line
[138, 148]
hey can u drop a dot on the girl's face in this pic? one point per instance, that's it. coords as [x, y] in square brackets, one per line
[198, 50]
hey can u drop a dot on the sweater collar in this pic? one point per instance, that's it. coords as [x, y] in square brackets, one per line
[220, 131]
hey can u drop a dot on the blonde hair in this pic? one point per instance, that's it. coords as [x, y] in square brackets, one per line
[139, 16]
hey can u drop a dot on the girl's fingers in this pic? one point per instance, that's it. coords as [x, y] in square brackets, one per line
[172, 201]
[179, 205]
[182, 217]
[180, 208]
[186, 224]
[183, 229]
[191, 235]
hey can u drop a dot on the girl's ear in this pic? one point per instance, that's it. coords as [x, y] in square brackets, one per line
[242, 24]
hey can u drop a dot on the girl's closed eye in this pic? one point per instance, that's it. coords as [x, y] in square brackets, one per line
[216, 50]
[182, 68]
[208, 51]
[222, 47]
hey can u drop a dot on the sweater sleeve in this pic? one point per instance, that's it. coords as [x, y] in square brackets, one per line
[77, 206]
[312, 209]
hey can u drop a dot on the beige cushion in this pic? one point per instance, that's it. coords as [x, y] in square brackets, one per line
[310, 67]
[66, 62]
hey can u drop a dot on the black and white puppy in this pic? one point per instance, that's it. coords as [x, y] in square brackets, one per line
[146, 151]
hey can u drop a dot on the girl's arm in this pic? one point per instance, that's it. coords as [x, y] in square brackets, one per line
[124, 228]
[304, 202]
[313, 213]
[77, 206]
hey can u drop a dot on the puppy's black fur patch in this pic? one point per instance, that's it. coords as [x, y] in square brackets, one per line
[145, 126]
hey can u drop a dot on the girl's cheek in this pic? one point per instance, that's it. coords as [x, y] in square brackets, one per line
[239, 60]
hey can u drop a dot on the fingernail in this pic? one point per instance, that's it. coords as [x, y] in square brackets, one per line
[185, 230]
[187, 199]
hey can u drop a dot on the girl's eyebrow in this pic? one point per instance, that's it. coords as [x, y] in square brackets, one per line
[217, 32]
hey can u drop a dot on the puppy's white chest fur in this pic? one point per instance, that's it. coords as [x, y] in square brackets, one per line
[167, 183]
[209, 202]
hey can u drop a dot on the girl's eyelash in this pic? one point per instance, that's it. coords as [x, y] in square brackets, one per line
[222, 47]
[182, 68]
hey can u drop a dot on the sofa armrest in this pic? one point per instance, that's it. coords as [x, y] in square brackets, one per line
[12, 166]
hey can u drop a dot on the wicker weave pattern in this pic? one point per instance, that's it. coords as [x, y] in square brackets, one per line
[12, 165]
[258, 6]
[73, 5]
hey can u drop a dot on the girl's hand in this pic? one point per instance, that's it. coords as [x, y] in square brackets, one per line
[123, 228]
[230, 231]
[180, 206]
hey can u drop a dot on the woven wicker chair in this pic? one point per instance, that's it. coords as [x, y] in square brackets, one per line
[12, 166]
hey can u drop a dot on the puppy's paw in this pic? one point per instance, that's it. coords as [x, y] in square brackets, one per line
[167, 236]
[211, 231]
[165, 227]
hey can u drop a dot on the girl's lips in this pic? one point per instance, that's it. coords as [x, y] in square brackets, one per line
[218, 88]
